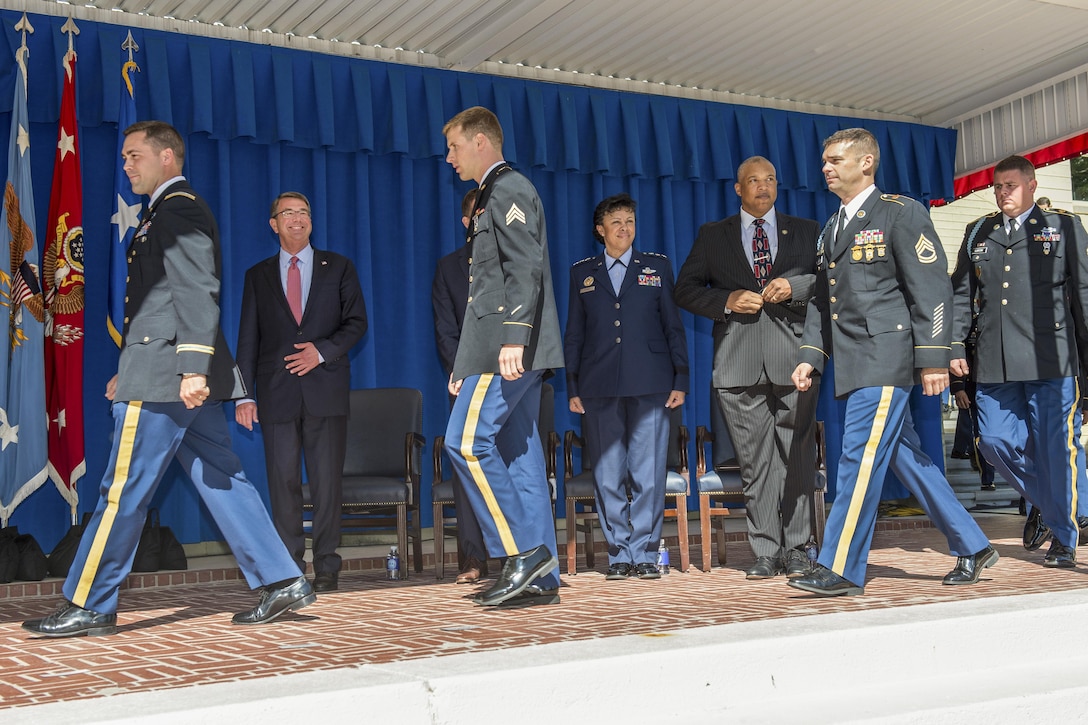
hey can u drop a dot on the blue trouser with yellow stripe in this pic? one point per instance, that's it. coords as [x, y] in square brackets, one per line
[494, 447]
[146, 437]
[879, 434]
[1030, 432]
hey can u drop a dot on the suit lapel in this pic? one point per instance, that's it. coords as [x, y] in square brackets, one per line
[271, 273]
[600, 274]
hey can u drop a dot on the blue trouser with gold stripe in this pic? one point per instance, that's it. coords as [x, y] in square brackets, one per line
[879, 434]
[1030, 432]
[494, 447]
[628, 442]
[146, 437]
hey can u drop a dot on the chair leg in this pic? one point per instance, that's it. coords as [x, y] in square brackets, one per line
[704, 530]
[572, 538]
[590, 544]
[439, 542]
[402, 539]
[417, 542]
[682, 531]
[721, 543]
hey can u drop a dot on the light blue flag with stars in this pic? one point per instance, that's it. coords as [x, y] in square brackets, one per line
[24, 456]
[126, 206]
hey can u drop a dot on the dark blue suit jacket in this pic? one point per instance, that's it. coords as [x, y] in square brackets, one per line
[449, 296]
[628, 344]
[334, 320]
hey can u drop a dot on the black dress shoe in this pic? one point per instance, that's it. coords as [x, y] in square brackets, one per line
[72, 621]
[619, 570]
[1035, 531]
[1060, 556]
[988, 487]
[1082, 534]
[517, 573]
[276, 601]
[326, 581]
[646, 570]
[969, 568]
[766, 567]
[533, 596]
[825, 583]
[796, 564]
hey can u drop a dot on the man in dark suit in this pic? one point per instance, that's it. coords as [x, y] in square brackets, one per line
[753, 274]
[174, 374]
[302, 312]
[509, 340]
[449, 297]
[1022, 280]
[880, 309]
[627, 363]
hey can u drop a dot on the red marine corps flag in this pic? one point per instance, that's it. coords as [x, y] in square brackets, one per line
[62, 279]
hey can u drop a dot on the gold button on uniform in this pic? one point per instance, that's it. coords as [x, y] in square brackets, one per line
[834, 299]
[835, 316]
[1004, 302]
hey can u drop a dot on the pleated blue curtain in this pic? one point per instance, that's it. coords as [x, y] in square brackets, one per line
[362, 140]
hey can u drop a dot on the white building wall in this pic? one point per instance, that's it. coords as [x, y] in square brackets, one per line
[951, 220]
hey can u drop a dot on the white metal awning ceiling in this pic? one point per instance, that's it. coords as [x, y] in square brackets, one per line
[1011, 75]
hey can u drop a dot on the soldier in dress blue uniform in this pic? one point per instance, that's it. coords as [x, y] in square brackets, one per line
[627, 362]
[1023, 273]
[175, 371]
[881, 309]
[509, 340]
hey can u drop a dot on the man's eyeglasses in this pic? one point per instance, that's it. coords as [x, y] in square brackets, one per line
[291, 213]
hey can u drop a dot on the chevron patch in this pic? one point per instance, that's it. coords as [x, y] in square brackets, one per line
[938, 320]
[927, 253]
[515, 215]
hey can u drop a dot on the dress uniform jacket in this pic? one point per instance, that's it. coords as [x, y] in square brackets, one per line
[510, 296]
[334, 321]
[882, 302]
[1029, 292]
[628, 344]
[169, 323]
[746, 344]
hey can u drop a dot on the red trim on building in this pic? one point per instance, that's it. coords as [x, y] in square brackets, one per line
[1061, 151]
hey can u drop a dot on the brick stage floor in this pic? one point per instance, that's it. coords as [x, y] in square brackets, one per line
[181, 635]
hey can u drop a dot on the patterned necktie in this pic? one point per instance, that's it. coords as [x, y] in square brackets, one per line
[761, 255]
[294, 290]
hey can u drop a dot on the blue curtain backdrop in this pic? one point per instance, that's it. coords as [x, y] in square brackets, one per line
[363, 141]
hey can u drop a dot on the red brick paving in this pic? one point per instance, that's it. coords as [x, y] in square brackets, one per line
[182, 635]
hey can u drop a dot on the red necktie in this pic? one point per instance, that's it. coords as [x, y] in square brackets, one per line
[761, 255]
[294, 290]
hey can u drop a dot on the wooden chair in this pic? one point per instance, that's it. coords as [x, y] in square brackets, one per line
[581, 502]
[719, 483]
[382, 467]
[443, 505]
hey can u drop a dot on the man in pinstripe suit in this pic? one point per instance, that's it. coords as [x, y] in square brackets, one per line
[882, 297]
[753, 274]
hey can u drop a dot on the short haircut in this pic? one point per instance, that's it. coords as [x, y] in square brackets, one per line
[161, 135]
[288, 195]
[864, 142]
[1016, 163]
[750, 161]
[468, 202]
[476, 120]
[619, 202]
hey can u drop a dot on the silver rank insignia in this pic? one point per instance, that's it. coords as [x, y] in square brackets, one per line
[515, 215]
[927, 253]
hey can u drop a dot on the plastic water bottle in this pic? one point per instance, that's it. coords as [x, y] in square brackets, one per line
[663, 558]
[392, 564]
[812, 551]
